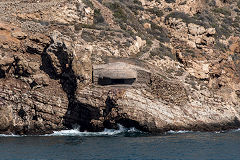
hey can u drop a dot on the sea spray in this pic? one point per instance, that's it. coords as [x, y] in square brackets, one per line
[9, 135]
[106, 132]
[178, 132]
[75, 132]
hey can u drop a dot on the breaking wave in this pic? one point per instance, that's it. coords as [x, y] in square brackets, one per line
[76, 132]
[186, 131]
[237, 130]
[178, 132]
[9, 135]
[106, 132]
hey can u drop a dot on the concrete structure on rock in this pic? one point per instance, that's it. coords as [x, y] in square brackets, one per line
[119, 73]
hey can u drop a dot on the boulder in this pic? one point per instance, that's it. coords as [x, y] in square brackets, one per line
[6, 116]
[60, 53]
[195, 29]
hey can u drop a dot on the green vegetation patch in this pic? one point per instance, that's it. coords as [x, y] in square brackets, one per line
[155, 11]
[185, 18]
[223, 25]
[163, 51]
[98, 18]
[170, 1]
[220, 46]
[125, 18]
[88, 3]
[223, 11]
[189, 52]
[137, 2]
[118, 11]
[88, 36]
[159, 33]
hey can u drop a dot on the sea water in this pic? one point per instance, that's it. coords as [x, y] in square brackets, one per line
[122, 144]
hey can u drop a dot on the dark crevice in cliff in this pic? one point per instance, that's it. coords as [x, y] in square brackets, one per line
[77, 112]
[47, 65]
[128, 123]
[33, 84]
[2, 73]
[179, 59]
[110, 103]
[81, 114]
[22, 113]
[18, 69]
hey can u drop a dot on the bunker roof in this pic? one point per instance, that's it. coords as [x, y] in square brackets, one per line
[118, 70]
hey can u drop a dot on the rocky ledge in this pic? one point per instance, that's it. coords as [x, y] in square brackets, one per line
[153, 65]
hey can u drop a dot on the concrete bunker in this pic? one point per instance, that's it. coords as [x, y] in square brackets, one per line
[118, 73]
[115, 77]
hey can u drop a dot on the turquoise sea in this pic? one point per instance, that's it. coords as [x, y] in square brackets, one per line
[122, 144]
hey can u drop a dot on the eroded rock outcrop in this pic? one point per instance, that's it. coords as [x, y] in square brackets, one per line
[166, 65]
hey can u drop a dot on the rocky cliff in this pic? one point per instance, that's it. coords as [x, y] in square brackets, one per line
[156, 65]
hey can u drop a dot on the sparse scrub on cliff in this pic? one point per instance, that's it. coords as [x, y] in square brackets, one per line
[159, 33]
[223, 11]
[88, 37]
[118, 11]
[185, 18]
[189, 52]
[137, 2]
[135, 8]
[98, 18]
[170, 1]
[155, 11]
[88, 3]
[126, 19]
[220, 46]
[162, 51]
[236, 24]
[222, 25]
[80, 26]
[212, 3]
[222, 30]
[133, 5]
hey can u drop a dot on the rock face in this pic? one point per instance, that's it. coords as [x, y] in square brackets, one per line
[154, 65]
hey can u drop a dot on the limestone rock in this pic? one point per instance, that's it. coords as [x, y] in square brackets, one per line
[147, 25]
[82, 65]
[211, 31]
[196, 29]
[135, 48]
[6, 117]
[163, 65]
[60, 52]
[41, 79]
[24, 107]
[199, 69]
[19, 34]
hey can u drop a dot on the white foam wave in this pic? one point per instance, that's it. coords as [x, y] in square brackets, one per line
[9, 135]
[106, 132]
[237, 130]
[76, 132]
[178, 132]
